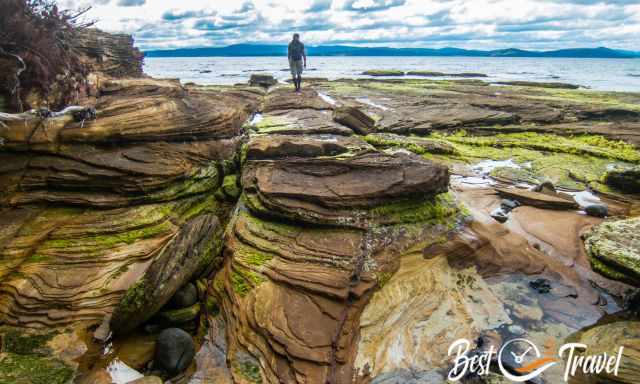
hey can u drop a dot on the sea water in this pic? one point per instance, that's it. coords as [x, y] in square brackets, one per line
[598, 74]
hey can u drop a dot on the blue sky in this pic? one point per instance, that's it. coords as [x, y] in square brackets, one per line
[477, 24]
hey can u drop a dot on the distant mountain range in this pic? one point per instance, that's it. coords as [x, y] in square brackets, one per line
[343, 50]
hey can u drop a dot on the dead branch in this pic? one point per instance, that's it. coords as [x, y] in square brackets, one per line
[15, 91]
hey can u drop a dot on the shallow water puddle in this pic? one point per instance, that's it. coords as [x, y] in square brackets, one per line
[486, 166]
[482, 171]
[327, 98]
[257, 118]
[366, 100]
[476, 181]
[584, 198]
[121, 373]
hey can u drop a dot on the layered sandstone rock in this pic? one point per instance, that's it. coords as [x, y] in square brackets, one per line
[609, 339]
[320, 224]
[63, 265]
[344, 258]
[416, 107]
[614, 248]
[355, 119]
[148, 143]
[143, 186]
[111, 54]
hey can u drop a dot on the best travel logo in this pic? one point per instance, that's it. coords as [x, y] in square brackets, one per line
[528, 361]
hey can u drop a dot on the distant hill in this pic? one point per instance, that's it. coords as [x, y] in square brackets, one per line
[343, 50]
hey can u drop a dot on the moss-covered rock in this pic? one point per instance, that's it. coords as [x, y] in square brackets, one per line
[624, 179]
[443, 74]
[190, 253]
[383, 72]
[417, 145]
[27, 358]
[34, 369]
[179, 316]
[614, 248]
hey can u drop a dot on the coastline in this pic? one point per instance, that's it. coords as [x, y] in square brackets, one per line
[310, 237]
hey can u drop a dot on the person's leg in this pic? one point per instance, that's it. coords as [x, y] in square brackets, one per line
[298, 73]
[294, 74]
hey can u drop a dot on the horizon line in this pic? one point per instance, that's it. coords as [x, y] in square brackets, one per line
[347, 45]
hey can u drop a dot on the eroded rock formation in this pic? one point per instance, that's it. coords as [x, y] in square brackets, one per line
[319, 251]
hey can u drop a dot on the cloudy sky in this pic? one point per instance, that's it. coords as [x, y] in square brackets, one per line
[479, 24]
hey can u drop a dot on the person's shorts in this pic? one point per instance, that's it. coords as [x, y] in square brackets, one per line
[296, 67]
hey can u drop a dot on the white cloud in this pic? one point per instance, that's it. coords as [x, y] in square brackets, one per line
[480, 24]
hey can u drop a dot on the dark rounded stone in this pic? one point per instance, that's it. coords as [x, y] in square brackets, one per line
[184, 297]
[508, 204]
[175, 350]
[541, 285]
[597, 210]
[499, 215]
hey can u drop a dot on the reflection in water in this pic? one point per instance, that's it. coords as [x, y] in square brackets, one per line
[257, 118]
[486, 166]
[121, 373]
[584, 198]
[327, 98]
[366, 100]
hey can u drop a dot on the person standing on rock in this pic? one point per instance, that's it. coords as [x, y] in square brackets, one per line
[297, 60]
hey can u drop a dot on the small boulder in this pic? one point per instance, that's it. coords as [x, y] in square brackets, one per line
[614, 249]
[625, 180]
[176, 317]
[509, 205]
[597, 210]
[175, 350]
[262, 80]
[499, 215]
[544, 199]
[184, 297]
[354, 118]
[541, 285]
[545, 187]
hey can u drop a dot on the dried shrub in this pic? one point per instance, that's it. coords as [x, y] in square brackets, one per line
[36, 52]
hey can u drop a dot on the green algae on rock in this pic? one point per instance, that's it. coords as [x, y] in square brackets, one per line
[27, 358]
[383, 72]
[539, 84]
[332, 236]
[442, 74]
[415, 144]
[614, 249]
[188, 254]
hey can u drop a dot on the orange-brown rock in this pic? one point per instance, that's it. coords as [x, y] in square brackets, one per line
[354, 118]
[63, 265]
[539, 199]
[111, 54]
[59, 160]
[276, 146]
[284, 98]
[300, 122]
[339, 191]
